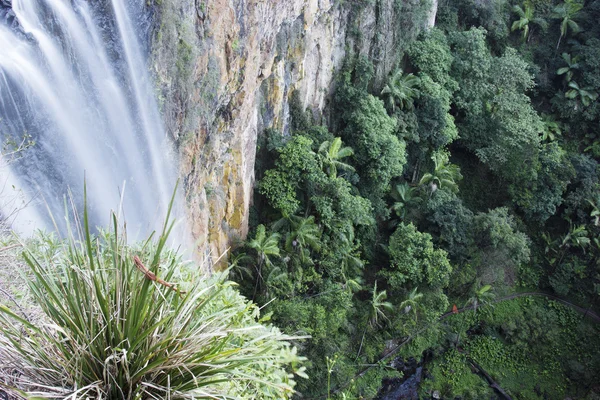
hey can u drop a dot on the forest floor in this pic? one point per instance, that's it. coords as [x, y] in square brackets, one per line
[589, 314]
[585, 311]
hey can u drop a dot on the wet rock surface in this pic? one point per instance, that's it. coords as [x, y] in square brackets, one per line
[405, 387]
[7, 15]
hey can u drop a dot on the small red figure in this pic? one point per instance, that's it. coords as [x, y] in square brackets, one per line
[454, 309]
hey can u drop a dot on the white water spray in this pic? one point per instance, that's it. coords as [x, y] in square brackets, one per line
[74, 78]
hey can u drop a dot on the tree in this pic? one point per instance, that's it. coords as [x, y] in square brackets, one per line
[303, 233]
[331, 153]
[414, 260]
[497, 121]
[481, 296]
[566, 12]
[265, 246]
[404, 196]
[500, 247]
[378, 306]
[444, 175]
[585, 95]
[538, 193]
[378, 153]
[401, 90]
[296, 163]
[412, 302]
[450, 223]
[435, 124]
[351, 265]
[431, 55]
[526, 17]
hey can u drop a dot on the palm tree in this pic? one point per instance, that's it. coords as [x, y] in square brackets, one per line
[404, 196]
[264, 246]
[572, 64]
[576, 237]
[552, 249]
[303, 234]
[401, 90]
[586, 95]
[274, 275]
[351, 264]
[412, 302]
[445, 175]
[331, 153]
[482, 296]
[566, 12]
[237, 267]
[526, 16]
[352, 285]
[378, 306]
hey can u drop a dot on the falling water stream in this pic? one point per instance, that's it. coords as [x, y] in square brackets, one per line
[74, 80]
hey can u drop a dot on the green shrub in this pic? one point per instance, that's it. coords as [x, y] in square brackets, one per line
[116, 331]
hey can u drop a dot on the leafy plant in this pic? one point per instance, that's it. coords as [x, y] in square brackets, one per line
[595, 214]
[116, 328]
[550, 128]
[526, 17]
[572, 64]
[481, 296]
[401, 90]
[412, 302]
[378, 306]
[331, 153]
[566, 12]
[586, 95]
[576, 237]
[444, 175]
[405, 196]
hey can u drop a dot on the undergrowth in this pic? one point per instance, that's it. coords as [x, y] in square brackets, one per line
[117, 328]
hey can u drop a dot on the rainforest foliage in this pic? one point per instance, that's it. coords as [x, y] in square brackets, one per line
[470, 174]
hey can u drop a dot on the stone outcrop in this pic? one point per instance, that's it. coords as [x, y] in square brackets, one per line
[227, 69]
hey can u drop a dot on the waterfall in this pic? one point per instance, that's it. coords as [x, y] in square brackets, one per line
[74, 81]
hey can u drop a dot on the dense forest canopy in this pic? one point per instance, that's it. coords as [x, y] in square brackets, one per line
[433, 233]
[466, 181]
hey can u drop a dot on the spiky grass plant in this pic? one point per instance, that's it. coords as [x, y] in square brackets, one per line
[117, 330]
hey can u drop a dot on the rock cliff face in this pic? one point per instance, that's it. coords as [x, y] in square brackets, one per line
[227, 69]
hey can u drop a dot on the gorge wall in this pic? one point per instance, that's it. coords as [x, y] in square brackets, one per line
[228, 69]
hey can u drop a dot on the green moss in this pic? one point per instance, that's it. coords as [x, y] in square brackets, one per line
[235, 46]
[184, 58]
[528, 345]
[452, 377]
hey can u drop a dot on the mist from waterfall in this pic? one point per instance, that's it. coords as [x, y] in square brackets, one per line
[74, 78]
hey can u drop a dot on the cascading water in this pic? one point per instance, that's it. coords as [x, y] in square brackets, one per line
[73, 78]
